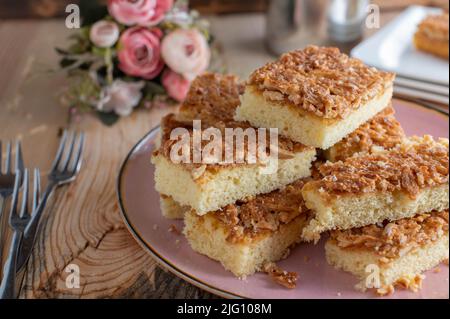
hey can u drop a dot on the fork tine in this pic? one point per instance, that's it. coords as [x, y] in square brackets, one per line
[36, 188]
[60, 151]
[76, 162]
[24, 208]
[15, 197]
[8, 158]
[19, 157]
[65, 163]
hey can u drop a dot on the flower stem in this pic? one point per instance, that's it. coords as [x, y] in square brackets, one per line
[109, 66]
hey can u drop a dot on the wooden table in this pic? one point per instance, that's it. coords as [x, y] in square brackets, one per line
[83, 225]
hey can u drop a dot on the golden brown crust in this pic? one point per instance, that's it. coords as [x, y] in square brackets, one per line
[382, 131]
[213, 99]
[411, 282]
[263, 213]
[432, 35]
[435, 26]
[433, 46]
[282, 277]
[320, 80]
[286, 147]
[415, 164]
[391, 240]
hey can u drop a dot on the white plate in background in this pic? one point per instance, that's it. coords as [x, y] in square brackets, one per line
[392, 49]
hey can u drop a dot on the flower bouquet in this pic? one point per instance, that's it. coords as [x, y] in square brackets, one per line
[133, 53]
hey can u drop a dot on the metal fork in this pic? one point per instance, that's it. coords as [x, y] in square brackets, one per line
[65, 168]
[18, 222]
[7, 178]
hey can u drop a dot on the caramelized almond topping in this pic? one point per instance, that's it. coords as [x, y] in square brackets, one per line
[174, 229]
[417, 163]
[385, 290]
[213, 99]
[285, 278]
[394, 239]
[320, 80]
[382, 131]
[414, 284]
[435, 26]
[263, 213]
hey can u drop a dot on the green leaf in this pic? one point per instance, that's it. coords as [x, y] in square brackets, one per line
[108, 118]
[79, 48]
[99, 51]
[64, 63]
[154, 88]
[61, 51]
[84, 33]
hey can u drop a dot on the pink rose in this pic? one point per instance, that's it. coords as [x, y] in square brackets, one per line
[176, 85]
[140, 12]
[104, 34]
[139, 53]
[186, 52]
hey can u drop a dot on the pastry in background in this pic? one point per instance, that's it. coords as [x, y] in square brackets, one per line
[432, 35]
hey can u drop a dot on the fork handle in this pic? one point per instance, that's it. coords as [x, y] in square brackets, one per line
[8, 285]
[3, 225]
[29, 235]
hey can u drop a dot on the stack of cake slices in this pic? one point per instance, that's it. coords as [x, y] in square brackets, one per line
[345, 167]
[235, 213]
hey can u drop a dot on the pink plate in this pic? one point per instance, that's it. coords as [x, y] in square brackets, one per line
[139, 203]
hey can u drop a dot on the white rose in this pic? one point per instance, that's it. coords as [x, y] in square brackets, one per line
[104, 34]
[186, 52]
[121, 97]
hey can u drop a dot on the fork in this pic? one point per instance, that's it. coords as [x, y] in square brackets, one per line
[18, 222]
[64, 170]
[7, 186]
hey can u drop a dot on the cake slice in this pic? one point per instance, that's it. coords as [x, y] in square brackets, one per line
[391, 253]
[432, 35]
[382, 131]
[246, 236]
[315, 96]
[170, 209]
[208, 186]
[388, 185]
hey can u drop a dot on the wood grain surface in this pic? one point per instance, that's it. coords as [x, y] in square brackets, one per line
[82, 225]
[84, 228]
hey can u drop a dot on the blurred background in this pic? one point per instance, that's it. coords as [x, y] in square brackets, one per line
[281, 25]
[247, 34]
[25, 9]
